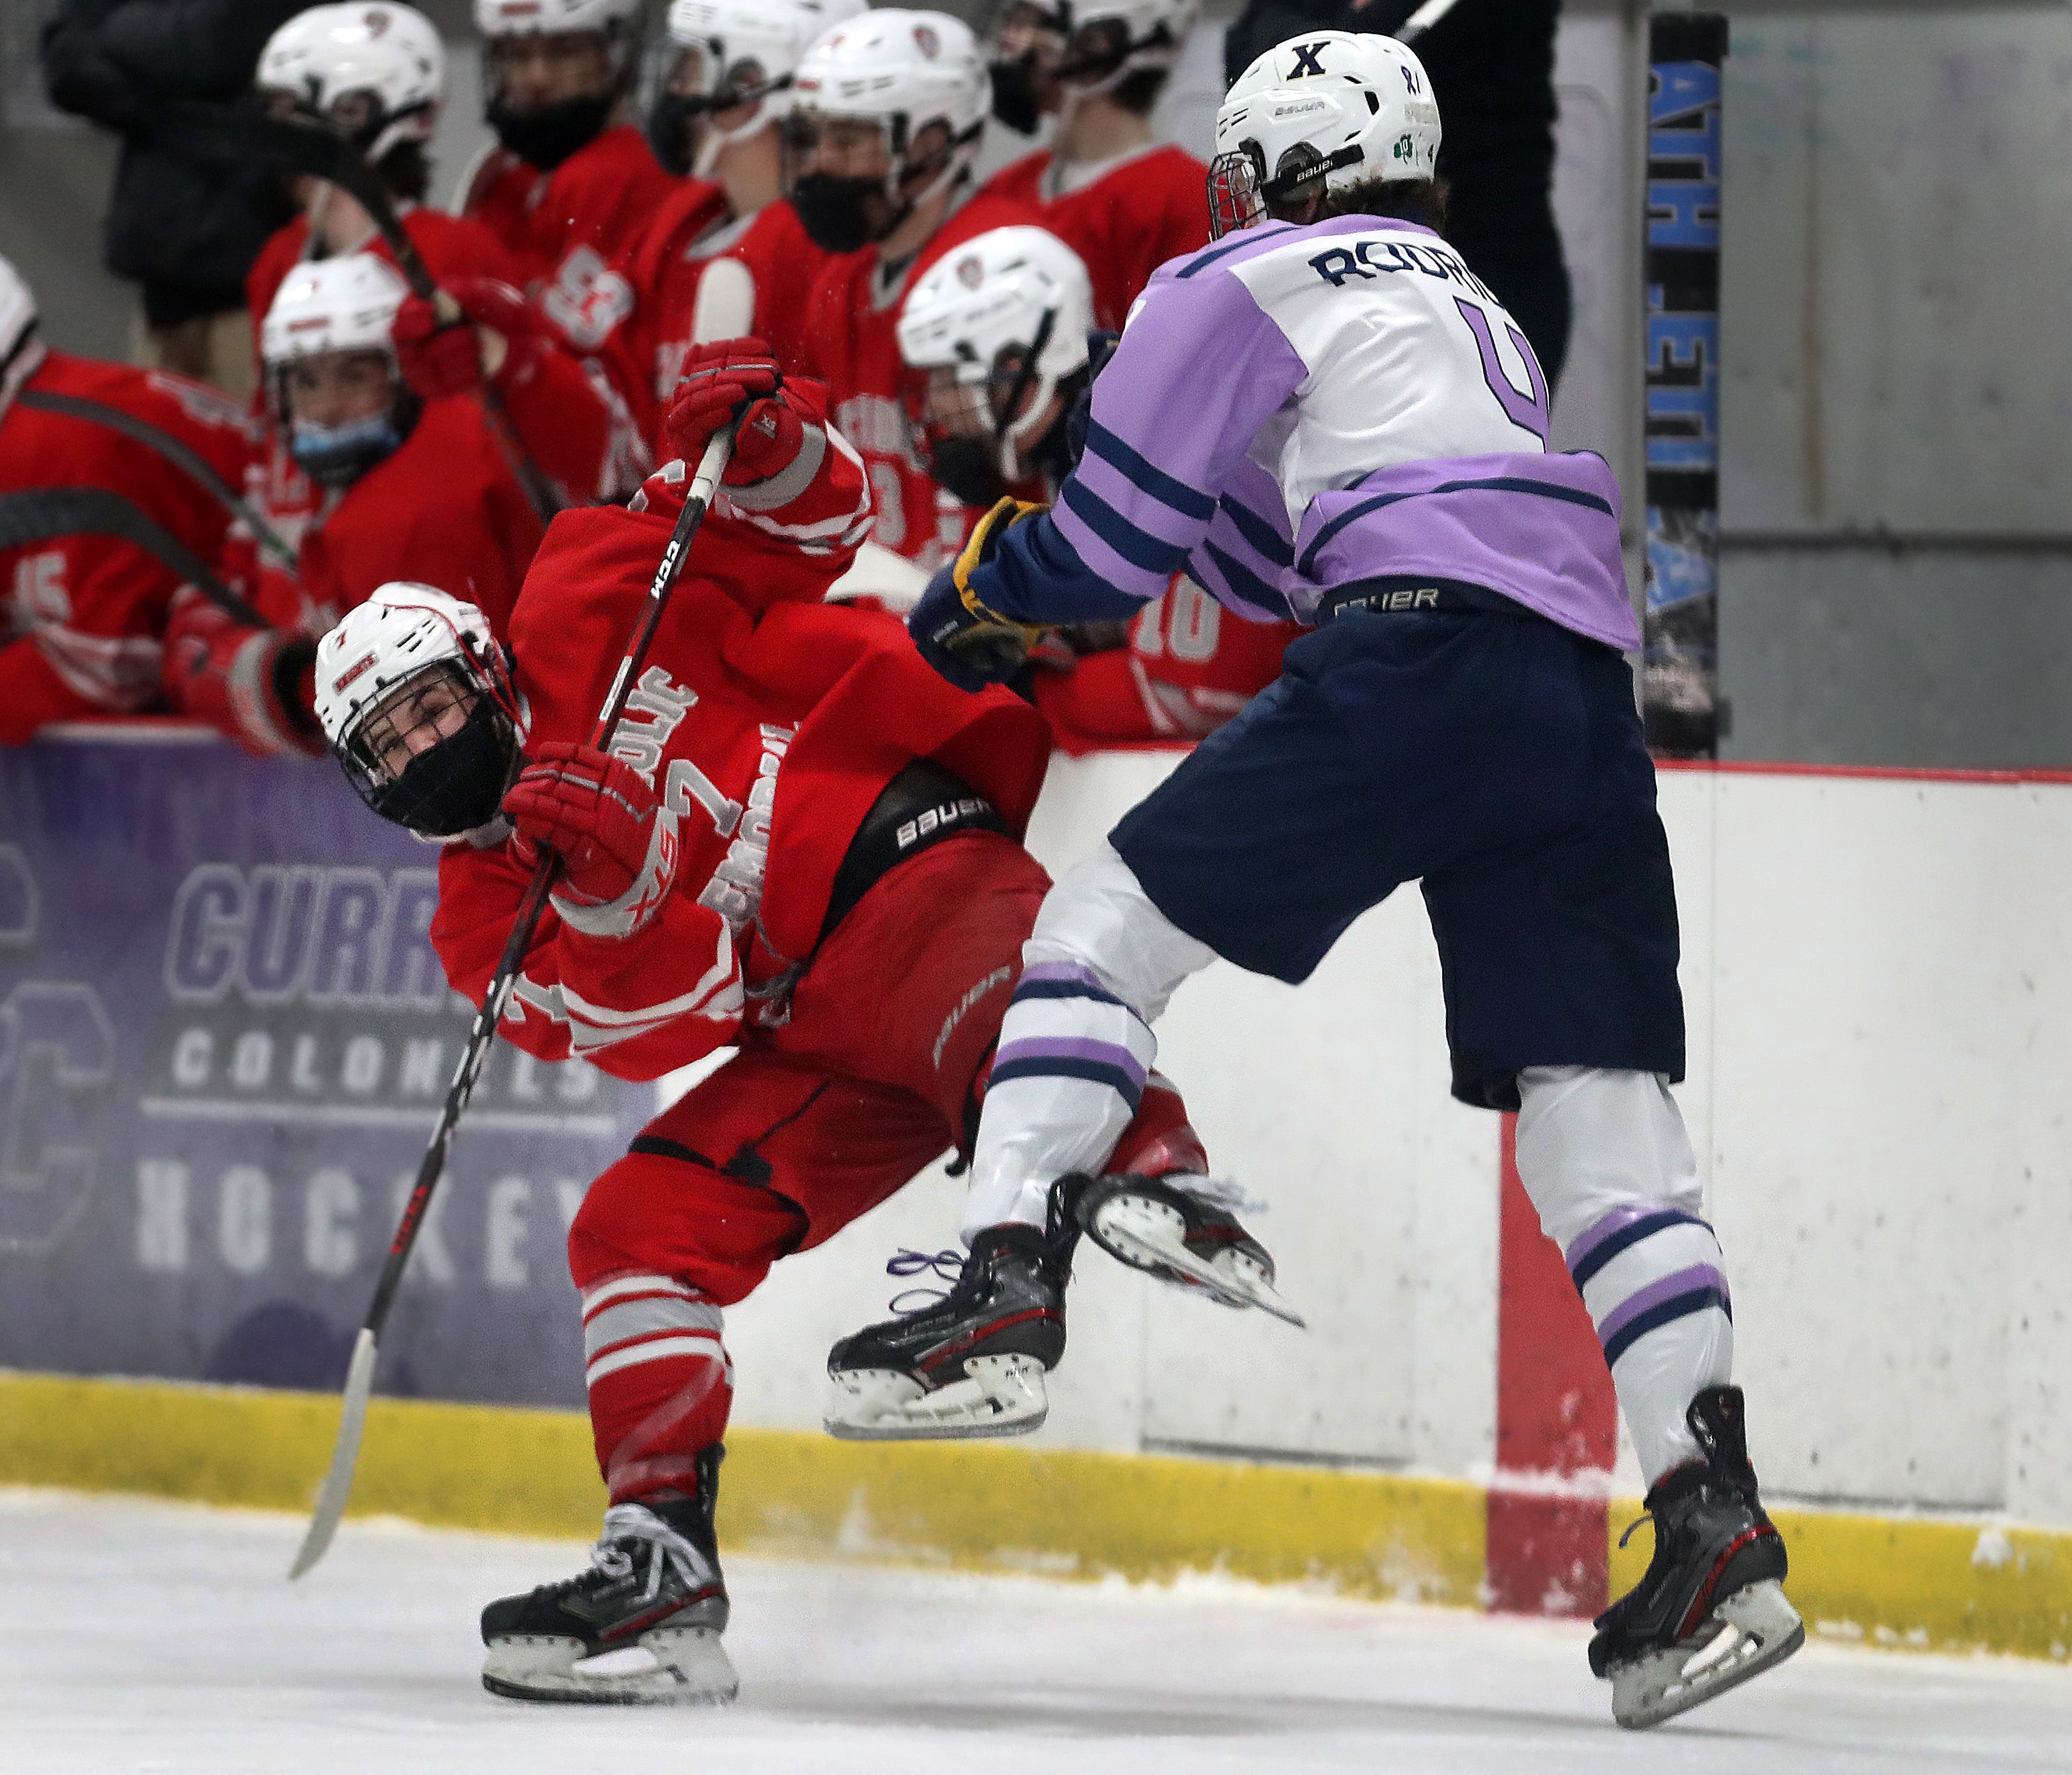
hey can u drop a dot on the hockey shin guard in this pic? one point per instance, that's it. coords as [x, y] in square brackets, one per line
[1605, 1158]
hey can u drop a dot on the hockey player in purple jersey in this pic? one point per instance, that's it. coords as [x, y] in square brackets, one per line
[1325, 415]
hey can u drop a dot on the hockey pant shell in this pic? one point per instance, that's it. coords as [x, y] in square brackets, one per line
[1498, 759]
[809, 1126]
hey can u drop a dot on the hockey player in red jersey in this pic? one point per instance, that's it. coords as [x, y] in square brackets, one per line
[376, 74]
[1104, 185]
[409, 486]
[891, 109]
[795, 845]
[725, 255]
[83, 614]
[571, 183]
[1000, 328]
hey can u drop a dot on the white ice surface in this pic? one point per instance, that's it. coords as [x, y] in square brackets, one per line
[138, 1636]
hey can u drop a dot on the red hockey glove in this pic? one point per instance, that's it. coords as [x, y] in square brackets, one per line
[256, 686]
[594, 812]
[719, 380]
[494, 338]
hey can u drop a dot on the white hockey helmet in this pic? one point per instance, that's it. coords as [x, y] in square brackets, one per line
[1008, 312]
[17, 315]
[1340, 106]
[415, 695]
[344, 304]
[904, 70]
[375, 71]
[546, 18]
[725, 53]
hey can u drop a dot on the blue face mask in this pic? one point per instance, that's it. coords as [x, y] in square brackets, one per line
[338, 455]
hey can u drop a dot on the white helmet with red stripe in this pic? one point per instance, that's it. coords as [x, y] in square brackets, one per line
[375, 71]
[344, 304]
[554, 18]
[415, 695]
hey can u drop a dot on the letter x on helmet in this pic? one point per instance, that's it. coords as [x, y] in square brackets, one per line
[377, 73]
[1329, 106]
[415, 695]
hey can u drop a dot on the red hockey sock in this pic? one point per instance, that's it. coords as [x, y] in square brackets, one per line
[660, 1382]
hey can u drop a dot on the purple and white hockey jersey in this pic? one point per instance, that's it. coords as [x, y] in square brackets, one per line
[1297, 409]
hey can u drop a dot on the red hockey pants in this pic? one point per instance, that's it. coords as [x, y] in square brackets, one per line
[809, 1126]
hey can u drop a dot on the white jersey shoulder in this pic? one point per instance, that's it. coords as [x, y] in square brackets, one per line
[1411, 359]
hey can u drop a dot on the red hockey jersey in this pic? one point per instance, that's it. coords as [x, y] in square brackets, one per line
[566, 227]
[1139, 211]
[1190, 665]
[82, 617]
[852, 346]
[639, 319]
[768, 722]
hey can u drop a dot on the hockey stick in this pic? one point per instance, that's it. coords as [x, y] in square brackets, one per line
[190, 463]
[1423, 19]
[46, 514]
[359, 1375]
[233, 130]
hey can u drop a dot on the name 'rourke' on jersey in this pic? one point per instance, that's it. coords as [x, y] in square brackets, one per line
[1390, 419]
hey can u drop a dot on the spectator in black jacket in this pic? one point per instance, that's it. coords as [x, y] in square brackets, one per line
[1492, 68]
[184, 228]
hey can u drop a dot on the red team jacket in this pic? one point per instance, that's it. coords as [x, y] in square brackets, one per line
[81, 617]
[768, 722]
[852, 346]
[1141, 211]
[638, 318]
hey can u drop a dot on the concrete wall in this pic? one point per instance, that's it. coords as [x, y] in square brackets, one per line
[1879, 981]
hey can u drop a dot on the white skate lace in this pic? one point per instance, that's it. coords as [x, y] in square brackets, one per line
[637, 1523]
[947, 1266]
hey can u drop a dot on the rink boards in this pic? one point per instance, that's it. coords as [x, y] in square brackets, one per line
[1877, 979]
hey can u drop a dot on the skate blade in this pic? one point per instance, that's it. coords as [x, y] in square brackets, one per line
[1149, 1235]
[1000, 1396]
[690, 1670]
[1758, 1628]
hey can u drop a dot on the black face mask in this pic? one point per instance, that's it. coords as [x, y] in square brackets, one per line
[1014, 99]
[455, 786]
[547, 137]
[669, 130]
[968, 469]
[836, 211]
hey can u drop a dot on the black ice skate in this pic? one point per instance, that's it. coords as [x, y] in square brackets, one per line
[1179, 1228]
[970, 1364]
[654, 1584]
[1711, 1611]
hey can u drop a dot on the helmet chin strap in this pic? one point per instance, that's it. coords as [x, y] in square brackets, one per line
[716, 141]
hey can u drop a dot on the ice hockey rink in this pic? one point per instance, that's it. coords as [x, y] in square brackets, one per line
[146, 1636]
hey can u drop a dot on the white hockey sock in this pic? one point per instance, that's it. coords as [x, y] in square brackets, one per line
[1076, 1045]
[1605, 1158]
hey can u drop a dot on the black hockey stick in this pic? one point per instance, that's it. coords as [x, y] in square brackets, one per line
[359, 1375]
[47, 514]
[190, 463]
[235, 131]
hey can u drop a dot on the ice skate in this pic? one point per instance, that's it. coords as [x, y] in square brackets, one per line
[653, 1587]
[1180, 1228]
[1711, 1612]
[970, 1364]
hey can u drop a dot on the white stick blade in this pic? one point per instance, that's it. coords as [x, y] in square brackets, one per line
[345, 1458]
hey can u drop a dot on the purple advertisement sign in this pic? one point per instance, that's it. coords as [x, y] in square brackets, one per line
[223, 1041]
